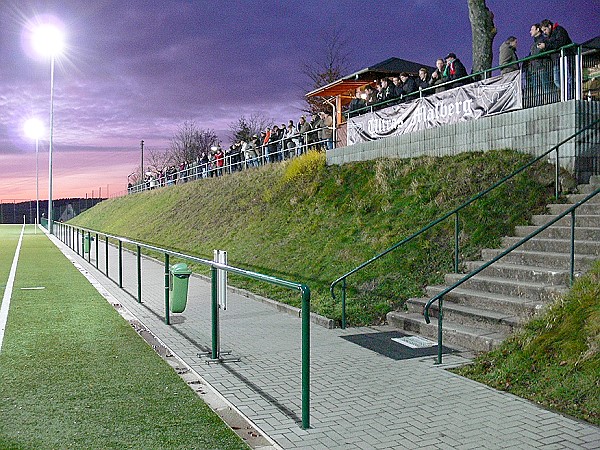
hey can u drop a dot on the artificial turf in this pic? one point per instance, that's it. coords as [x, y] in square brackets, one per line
[74, 374]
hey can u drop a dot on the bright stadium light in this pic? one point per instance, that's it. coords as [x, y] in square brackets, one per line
[34, 129]
[48, 40]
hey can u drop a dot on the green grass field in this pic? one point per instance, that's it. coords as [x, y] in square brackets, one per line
[74, 374]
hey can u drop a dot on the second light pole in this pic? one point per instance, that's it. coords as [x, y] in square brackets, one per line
[48, 41]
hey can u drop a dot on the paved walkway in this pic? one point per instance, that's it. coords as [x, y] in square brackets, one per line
[359, 398]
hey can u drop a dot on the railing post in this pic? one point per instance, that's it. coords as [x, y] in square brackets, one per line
[456, 245]
[89, 236]
[440, 318]
[97, 250]
[214, 312]
[344, 304]
[563, 76]
[167, 318]
[139, 274]
[572, 272]
[556, 176]
[120, 263]
[578, 75]
[305, 357]
[106, 255]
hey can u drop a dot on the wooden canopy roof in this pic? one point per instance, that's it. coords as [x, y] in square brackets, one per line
[349, 84]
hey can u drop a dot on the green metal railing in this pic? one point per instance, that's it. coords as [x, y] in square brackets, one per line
[456, 213]
[72, 236]
[440, 297]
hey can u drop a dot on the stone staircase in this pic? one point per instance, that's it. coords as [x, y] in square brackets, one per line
[484, 310]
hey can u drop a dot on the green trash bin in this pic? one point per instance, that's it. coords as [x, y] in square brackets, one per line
[86, 243]
[179, 279]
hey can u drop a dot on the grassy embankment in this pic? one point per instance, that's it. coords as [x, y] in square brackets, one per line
[304, 221]
[74, 374]
[555, 360]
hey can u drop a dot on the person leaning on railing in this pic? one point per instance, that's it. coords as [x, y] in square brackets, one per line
[304, 130]
[556, 37]
[408, 83]
[326, 129]
[537, 69]
[455, 70]
[437, 76]
[357, 102]
[423, 80]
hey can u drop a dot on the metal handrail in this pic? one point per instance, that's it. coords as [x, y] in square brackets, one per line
[70, 235]
[439, 297]
[455, 211]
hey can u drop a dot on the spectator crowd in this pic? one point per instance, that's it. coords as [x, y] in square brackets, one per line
[541, 74]
[273, 144]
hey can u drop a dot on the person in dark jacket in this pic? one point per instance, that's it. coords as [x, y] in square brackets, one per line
[556, 38]
[409, 85]
[423, 81]
[386, 90]
[454, 70]
[371, 96]
[537, 70]
[437, 76]
[357, 102]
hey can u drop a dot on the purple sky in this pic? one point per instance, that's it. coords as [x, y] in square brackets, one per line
[138, 69]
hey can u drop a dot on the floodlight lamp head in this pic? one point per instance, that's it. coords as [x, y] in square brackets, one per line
[48, 40]
[34, 129]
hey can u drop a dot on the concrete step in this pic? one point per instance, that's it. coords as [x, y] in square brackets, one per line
[468, 315]
[453, 335]
[574, 198]
[506, 304]
[587, 209]
[521, 272]
[514, 288]
[485, 309]
[589, 188]
[558, 232]
[592, 221]
[595, 180]
[554, 245]
[541, 259]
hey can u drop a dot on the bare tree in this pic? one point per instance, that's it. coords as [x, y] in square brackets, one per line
[483, 31]
[243, 129]
[158, 159]
[189, 142]
[331, 65]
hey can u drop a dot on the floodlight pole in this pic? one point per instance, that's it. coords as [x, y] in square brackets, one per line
[50, 227]
[37, 184]
[142, 166]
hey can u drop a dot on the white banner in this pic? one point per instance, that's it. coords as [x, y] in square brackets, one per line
[472, 101]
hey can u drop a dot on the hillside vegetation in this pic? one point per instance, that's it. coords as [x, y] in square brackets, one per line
[305, 221]
[555, 360]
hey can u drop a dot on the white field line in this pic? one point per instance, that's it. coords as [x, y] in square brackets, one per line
[9, 288]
